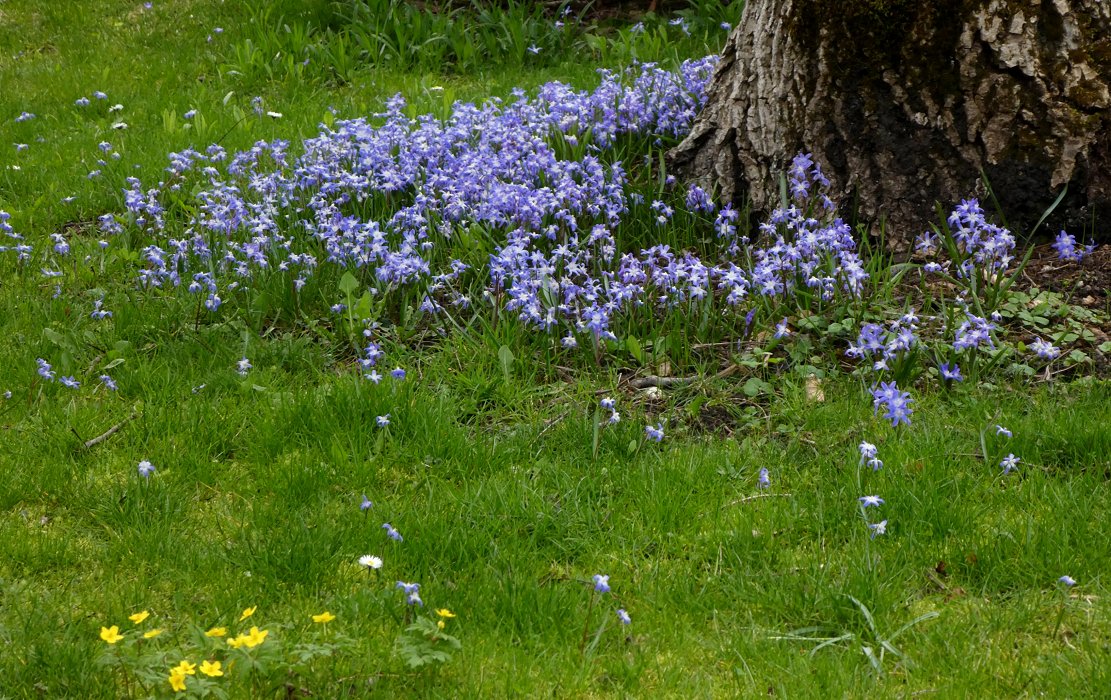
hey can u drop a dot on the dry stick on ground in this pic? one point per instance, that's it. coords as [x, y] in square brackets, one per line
[663, 382]
[746, 499]
[110, 432]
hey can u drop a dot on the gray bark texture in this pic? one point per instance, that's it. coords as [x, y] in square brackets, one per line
[904, 104]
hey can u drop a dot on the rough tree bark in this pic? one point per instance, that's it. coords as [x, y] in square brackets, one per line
[905, 103]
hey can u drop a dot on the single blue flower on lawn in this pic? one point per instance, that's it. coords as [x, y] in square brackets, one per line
[1045, 349]
[870, 501]
[45, 371]
[781, 330]
[601, 583]
[412, 595]
[623, 616]
[242, 367]
[190, 114]
[655, 432]
[1000, 430]
[953, 375]
[70, 382]
[145, 469]
[867, 451]
[383, 421]
[763, 481]
[397, 373]
[879, 528]
[1009, 463]
[366, 504]
[608, 403]
[1067, 580]
[392, 532]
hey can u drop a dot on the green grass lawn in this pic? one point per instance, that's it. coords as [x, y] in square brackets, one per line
[496, 468]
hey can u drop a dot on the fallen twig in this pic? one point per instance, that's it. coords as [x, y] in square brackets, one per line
[661, 382]
[664, 382]
[93, 442]
[753, 497]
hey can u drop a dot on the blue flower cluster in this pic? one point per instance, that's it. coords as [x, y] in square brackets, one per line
[535, 184]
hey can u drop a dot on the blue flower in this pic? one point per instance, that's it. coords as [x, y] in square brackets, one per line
[383, 421]
[392, 533]
[948, 374]
[397, 373]
[1009, 463]
[781, 330]
[1000, 430]
[366, 504]
[879, 528]
[897, 403]
[190, 114]
[867, 451]
[242, 367]
[870, 501]
[1044, 349]
[764, 480]
[601, 583]
[655, 432]
[623, 616]
[45, 370]
[145, 469]
[70, 382]
[1067, 580]
[412, 595]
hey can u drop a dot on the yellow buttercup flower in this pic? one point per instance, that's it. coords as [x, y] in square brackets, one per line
[152, 634]
[444, 612]
[236, 642]
[323, 617]
[216, 632]
[185, 668]
[440, 624]
[139, 616]
[111, 634]
[255, 638]
[177, 681]
[247, 613]
[211, 668]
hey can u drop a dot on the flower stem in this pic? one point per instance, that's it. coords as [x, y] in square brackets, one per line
[586, 624]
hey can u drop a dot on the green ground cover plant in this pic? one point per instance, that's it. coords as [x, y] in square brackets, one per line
[349, 354]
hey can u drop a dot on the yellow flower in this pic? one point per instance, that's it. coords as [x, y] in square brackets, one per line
[236, 642]
[255, 638]
[216, 632]
[211, 668]
[111, 634]
[139, 616]
[440, 624]
[152, 634]
[177, 681]
[444, 612]
[185, 668]
[247, 613]
[323, 617]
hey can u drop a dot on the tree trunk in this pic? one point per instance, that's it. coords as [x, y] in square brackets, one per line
[905, 104]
